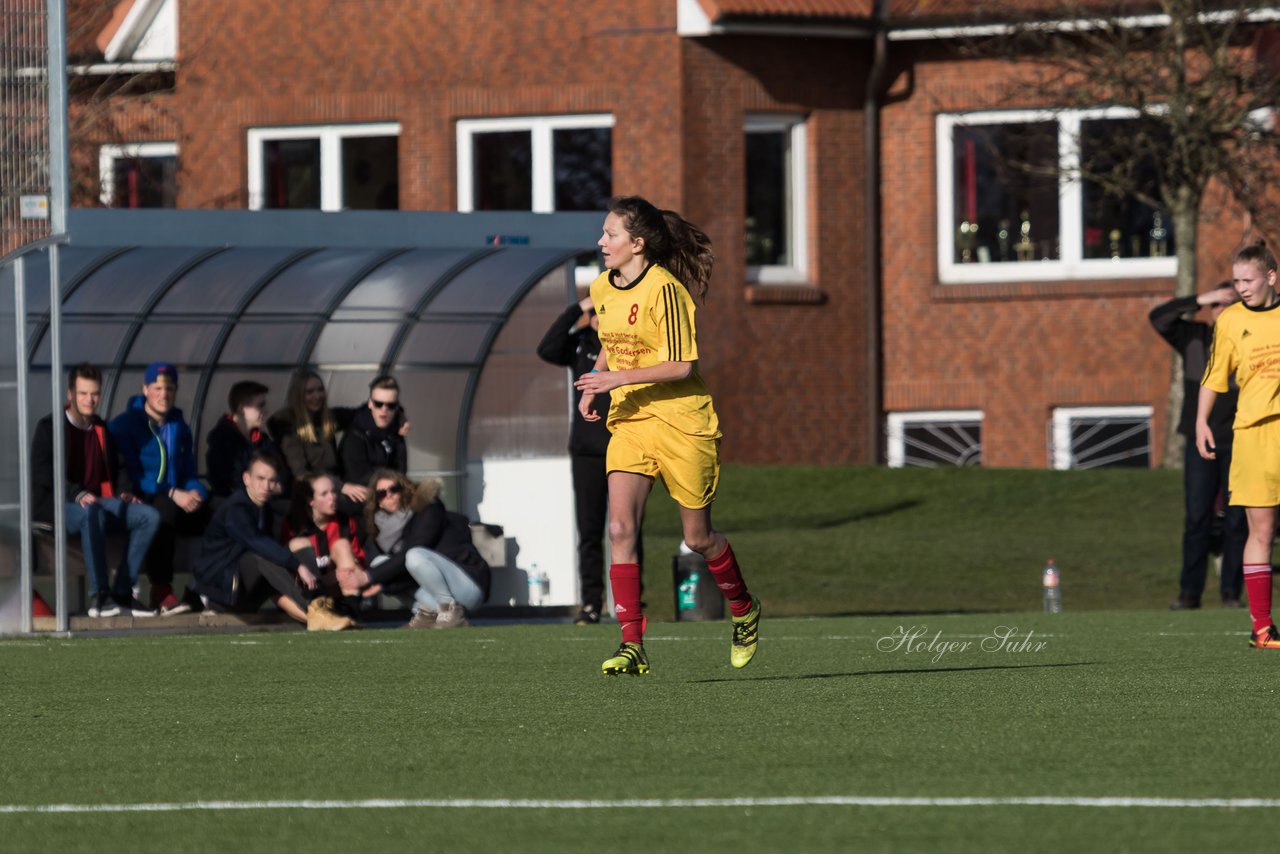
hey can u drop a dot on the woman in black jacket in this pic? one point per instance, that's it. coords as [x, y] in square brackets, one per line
[412, 540]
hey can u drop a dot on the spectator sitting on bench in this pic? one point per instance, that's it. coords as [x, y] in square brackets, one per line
[239, 564]
[375, 439]
[236, 436]
[306, 431]
[155, 444]
[411, 532]
[323, 538]
[96, 505]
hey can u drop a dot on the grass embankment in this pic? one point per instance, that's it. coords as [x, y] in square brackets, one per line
[878, 540]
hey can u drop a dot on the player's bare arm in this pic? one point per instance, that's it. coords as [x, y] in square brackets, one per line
[664, 372]
[1204, 436]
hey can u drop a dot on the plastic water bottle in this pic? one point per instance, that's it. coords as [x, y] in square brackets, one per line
[1052, 592]
[535, 586]
[688, 599]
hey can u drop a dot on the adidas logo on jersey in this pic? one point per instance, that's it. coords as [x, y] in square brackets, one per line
[1244, 335]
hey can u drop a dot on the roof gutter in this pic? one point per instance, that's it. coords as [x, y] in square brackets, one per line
[871, 238]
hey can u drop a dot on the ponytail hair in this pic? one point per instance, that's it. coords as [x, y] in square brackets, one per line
[1256, 253]
[669, 240]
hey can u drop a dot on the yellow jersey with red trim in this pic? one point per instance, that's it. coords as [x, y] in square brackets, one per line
[1246, 341]
[646, 323]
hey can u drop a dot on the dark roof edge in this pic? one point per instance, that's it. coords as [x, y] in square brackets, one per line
[100, 226]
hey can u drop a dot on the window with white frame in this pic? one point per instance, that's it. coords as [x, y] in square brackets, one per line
[776, 229]
[141, 175]
[1012, 205]
[535, 163]
[941, 438]
[325, 167]
[1086, 437]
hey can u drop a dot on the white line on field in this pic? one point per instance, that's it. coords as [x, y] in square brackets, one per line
[658, 803]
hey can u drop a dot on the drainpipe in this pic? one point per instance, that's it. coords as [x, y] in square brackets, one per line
[871, 216]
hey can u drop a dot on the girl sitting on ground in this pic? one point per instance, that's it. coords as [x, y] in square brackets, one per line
[415, 543]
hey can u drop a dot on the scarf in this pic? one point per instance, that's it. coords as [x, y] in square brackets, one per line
[390, 528]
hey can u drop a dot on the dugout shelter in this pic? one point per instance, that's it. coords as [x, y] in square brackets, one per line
[452, 304]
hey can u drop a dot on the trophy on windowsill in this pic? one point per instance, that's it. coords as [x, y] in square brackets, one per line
[1002, 239]
[1024, 248]
[1115, 244]
[967, 239]
[1159, 236]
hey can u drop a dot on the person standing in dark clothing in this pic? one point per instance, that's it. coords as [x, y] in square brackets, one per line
[573, 342]
[1204, 480]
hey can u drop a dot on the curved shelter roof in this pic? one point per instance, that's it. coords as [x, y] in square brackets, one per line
[230, 295]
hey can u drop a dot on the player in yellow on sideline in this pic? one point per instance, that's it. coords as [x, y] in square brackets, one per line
[661, 416]
[1246, 342]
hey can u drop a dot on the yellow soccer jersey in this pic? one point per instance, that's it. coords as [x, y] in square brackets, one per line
[1247, 341]
[645, 324]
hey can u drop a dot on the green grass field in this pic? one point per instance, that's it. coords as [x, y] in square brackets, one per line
[1109, 705]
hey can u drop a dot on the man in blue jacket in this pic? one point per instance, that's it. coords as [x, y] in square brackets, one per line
[155, 444]
[240, 565]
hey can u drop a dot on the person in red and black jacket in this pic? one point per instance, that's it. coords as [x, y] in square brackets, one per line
[325, 540]
[98, 501]
[236, 436]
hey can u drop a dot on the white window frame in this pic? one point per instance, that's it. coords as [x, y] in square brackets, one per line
[1063, 416]
[797, 198]
[897, 422]
[109, 154]
[1072, 264]
[540, 129]
[330, 137]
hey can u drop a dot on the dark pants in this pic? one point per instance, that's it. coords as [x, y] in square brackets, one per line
[591, 506]
[174, 522]
[1203, 480]
[259, 580]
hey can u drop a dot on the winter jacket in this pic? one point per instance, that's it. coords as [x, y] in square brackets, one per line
[1194, 341]
[158, 457]
[227, 452]
[42, 476]
[577, 349]
[365, 448]
[431, 527]
[238, 526]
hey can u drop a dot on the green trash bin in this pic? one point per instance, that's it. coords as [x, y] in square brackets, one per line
[697, 597]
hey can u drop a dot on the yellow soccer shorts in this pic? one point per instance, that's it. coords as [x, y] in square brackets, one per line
[688, 465]
[1255, 465]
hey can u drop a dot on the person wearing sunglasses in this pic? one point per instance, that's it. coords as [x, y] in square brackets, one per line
[417, 546]
[375, 439]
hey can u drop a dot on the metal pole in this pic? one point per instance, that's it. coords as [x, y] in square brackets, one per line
[25, 586]
[59, 165]
[62, 608]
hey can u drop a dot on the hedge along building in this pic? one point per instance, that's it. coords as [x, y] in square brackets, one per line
[453, 306]
[814, 140]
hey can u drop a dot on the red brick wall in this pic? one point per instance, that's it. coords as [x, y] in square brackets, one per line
[788, 379]
[1015, 351]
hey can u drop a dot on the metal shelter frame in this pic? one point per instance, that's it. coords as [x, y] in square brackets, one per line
[357, 293]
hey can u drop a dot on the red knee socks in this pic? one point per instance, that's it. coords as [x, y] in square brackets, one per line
[625, 579]
[724, 569]
[1257, 582]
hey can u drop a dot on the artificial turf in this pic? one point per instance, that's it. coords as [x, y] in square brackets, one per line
[1106, 704]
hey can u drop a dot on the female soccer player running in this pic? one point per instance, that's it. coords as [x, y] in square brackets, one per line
[661, 416]
[1246, 340]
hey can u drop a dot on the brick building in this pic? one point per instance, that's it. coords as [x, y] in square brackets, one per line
[753, 118]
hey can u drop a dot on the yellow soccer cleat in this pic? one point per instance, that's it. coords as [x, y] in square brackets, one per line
[629, 659]
[746, 632]
[1268, 638]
